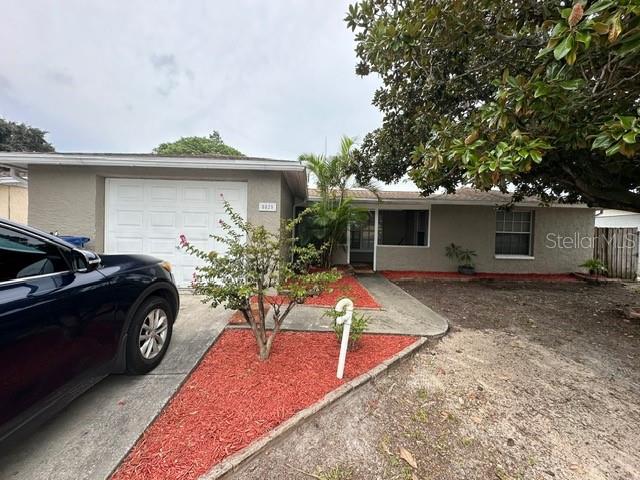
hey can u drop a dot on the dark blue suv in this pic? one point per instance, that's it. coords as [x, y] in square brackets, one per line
[69, 317]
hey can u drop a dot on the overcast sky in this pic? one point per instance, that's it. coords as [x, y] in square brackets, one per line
[274, 78]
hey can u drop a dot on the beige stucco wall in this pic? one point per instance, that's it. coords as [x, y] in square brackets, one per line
[70, 199]
[473, 227]
[14, 203]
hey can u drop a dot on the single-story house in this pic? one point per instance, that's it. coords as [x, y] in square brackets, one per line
[141, 203]
[407, 231]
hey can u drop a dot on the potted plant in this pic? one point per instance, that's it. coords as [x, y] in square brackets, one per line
[463, 257]
[595, 267]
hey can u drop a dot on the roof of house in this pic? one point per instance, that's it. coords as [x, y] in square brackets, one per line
[293, 170]
[463, 196]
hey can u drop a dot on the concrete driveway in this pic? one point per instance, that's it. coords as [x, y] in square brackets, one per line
[88, 439]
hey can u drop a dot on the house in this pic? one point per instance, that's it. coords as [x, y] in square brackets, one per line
[13, 194]
[407, 231]
[609, 218]
[141, 203]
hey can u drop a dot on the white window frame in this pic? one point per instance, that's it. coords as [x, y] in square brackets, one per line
[508, 256]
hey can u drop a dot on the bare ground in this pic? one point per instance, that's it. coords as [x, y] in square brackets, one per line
[534, 381]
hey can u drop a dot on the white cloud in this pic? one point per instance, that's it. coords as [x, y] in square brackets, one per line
[275, 78]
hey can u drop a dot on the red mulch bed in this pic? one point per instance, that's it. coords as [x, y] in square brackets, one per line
[232, 398]
[238, 319]
[346, 286]
[527, 277]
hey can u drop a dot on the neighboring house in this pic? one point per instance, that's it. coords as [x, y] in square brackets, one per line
[413, 231]
[130, 203]
[608, 218]
[13, 194]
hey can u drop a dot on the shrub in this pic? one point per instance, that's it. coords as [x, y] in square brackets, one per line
[359, 323]
[596, 267]
[258, 266]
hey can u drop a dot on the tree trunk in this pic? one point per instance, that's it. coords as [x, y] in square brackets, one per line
[263, 351]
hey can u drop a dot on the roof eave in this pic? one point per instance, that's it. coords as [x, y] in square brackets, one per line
[149, 161]
[435, 201]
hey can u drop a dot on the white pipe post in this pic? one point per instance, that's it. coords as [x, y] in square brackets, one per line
[345, 305]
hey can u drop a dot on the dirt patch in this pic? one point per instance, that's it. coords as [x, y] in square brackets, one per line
[535, 381]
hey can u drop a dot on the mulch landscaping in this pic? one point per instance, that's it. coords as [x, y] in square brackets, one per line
[232, 398]
[395, 275]
[346, 286]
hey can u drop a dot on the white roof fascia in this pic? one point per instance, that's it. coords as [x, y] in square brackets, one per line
[153, 161]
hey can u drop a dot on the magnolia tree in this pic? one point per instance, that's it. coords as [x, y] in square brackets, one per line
[258, 266]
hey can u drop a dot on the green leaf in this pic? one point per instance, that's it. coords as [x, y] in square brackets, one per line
[627, 121]
[544, 51]
[541, 91]
[613, 150]
[630, 137]
[601, 28]
[572, 84]
[535, 155]
[564, 47]
[599, 6]
[559, 29]
[565, 12]
[584, 38]
[601, 142]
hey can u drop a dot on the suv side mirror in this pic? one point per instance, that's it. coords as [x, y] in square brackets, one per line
[85, 260]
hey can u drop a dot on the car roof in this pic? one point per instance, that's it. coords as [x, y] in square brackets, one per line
[37, 232]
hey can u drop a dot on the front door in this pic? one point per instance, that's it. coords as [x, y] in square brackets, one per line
[362, 242]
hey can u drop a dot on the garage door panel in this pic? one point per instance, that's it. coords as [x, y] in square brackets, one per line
[163, 220]
[162, 246]
[164, 193]
[130, 191]
[228, 194]
[148, 216]
[129, 245]
[130, 218]
[196, 220]
[196, 194]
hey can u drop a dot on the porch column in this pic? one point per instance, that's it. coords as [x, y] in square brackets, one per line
[375, 241]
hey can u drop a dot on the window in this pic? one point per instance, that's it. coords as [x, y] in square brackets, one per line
[403, 227]
[514, 233]
[25, 256]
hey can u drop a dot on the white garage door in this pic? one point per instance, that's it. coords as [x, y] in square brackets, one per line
[148, 216]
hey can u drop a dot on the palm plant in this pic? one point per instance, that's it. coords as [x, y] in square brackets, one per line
[335, 212]
[596, 267]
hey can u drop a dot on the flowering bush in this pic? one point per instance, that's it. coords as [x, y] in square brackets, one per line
[262, 266]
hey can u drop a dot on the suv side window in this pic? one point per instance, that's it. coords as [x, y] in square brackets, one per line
[22, 256]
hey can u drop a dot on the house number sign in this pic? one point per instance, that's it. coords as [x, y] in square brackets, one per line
[267, 206]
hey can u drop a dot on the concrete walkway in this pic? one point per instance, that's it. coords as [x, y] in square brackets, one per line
[88, 439]
[401, 313]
